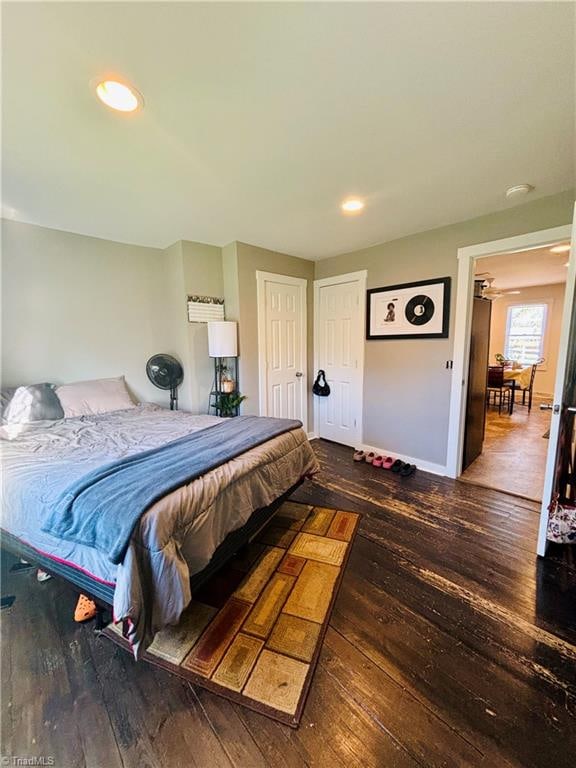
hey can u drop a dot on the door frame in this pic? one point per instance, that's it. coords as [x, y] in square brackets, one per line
[270, 277]
[565, 331]
[464, 294]
[361, 278]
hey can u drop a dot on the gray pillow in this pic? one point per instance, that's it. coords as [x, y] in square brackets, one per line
[36, 402]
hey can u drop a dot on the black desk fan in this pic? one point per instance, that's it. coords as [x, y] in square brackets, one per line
[165, 372]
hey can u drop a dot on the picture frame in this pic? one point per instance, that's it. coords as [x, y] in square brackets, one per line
[419, 310]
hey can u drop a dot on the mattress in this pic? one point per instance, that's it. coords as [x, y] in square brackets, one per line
[177, 536]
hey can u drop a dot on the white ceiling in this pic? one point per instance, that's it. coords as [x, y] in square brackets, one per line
[525, 268]
[261, 117]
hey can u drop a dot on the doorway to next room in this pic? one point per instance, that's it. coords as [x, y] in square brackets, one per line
[515, 334]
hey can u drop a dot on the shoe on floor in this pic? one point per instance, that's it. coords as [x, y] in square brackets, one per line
[378, 461]
[388, 462]
[42, 575]
[85, 609]
[407, 470]
[369, 458]
[397, 466]
[359, 455]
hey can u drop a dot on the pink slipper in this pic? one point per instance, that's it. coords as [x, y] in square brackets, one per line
[378, 461]
[370, 457]
[359, 455]
[387, 463]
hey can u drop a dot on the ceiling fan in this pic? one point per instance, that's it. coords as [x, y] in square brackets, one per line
[489, 292]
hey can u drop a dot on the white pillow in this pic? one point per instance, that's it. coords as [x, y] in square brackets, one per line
[36, 402]
[86, 398]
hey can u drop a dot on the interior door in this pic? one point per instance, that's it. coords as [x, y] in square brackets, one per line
[282, 336]
[340, 340]
[562, 424]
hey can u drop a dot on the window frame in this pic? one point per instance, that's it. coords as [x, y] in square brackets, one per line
[547, 304]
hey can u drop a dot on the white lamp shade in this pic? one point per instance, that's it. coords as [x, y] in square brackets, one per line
[223, 339]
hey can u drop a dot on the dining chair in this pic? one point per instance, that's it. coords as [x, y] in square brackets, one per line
[530, 388]
[498, 387]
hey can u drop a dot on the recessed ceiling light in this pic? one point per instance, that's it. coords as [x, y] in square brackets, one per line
[519, 190]
[352, 205]
[567, 264]
[560, 248]
[119, 96]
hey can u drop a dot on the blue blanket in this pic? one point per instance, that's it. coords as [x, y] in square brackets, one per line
[102, 508]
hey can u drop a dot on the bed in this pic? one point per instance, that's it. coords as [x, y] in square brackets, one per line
[178, 541]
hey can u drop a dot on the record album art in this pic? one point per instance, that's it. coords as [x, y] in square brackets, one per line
[409, 311]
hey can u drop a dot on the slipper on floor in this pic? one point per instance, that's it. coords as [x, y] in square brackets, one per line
[407, 470]
[378, 461]
[42, 575]
[85, 609]
[370, 457]
[397, 466]
[388, 462]
[359, 455]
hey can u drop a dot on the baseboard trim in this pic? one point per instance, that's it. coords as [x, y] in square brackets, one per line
[312, 436]
[426, 466]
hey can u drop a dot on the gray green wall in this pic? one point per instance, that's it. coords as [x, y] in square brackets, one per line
[76, 307]
[406, 384]
[202, 268]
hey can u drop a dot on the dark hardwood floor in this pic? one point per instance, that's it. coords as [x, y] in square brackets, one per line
[450, 645]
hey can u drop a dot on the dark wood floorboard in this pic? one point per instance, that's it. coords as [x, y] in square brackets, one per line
[451, 644]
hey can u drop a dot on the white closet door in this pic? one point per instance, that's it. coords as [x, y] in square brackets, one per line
[282, 343]
[340, 340]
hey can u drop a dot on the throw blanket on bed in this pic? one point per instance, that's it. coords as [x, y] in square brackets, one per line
[102, 508]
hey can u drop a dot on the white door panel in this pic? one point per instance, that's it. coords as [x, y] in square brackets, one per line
[340, 340]
[282, 346]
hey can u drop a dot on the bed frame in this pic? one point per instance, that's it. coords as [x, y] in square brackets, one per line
[103, 593]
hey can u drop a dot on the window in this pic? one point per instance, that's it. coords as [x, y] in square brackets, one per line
[525, 330]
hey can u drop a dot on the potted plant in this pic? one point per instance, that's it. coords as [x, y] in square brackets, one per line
[228, 403]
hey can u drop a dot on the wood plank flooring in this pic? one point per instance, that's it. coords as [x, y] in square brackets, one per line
[450, 645]
[513, 457]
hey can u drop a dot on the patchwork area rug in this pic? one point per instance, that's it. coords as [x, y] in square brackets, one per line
[254, 632]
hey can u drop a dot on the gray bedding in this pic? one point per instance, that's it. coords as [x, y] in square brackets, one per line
[175, 537]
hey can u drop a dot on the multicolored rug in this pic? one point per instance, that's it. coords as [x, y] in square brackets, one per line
[254, 632]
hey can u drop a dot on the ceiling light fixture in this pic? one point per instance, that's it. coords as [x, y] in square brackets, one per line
[513, 293]
[560, 248]
[567, 264]
[519, 190]
[119, 96]
[353, 205]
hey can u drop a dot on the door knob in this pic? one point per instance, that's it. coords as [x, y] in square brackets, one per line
[299, 374]
[550, 407]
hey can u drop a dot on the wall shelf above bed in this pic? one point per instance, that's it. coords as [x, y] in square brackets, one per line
[205, 309]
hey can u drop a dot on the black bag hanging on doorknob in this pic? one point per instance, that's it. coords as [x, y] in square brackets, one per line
[321, 387]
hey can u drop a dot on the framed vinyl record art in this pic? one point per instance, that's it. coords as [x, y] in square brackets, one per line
[409, 311]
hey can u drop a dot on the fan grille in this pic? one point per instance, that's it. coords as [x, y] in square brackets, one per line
[164, 371]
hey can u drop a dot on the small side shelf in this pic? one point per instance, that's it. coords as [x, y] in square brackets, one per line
[224, 395]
